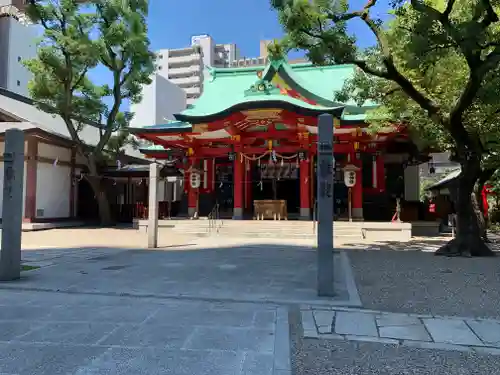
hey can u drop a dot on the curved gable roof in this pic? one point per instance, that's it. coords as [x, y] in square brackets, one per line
[224, 88]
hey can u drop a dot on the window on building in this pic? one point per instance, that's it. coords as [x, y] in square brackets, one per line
[18, 83]
[18, 58]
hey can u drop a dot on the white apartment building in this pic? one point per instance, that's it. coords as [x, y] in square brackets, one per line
[17, 43]
[184, 66]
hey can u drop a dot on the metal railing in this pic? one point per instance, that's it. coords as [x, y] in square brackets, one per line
[214, 220]
[315, 215]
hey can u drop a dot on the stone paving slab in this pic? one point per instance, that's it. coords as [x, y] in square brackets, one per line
[354, 323]
[412, 330]
[451, 331]
[487, 331]
[266, 272]
[76, 334]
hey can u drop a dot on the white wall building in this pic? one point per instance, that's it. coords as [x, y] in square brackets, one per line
[17, 43]
[51, 163]
[160, 101]
[184, 66]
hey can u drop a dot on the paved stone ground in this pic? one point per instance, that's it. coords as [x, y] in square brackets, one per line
[420, 331]
[235, 272]
[104, 309]
[97, 309]
[54, 333]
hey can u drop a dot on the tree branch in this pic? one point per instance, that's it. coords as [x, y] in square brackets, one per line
[79, 80]
[391, 73]
[334, 17]
[476, 77]
[66, 116]
[491, 15]
[449, 8]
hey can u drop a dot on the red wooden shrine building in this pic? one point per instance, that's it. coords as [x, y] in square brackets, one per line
[252, 137]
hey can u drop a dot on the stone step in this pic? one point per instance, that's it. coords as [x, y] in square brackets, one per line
[261, 228]
[265, 233]
[269, 235]
[260, 225]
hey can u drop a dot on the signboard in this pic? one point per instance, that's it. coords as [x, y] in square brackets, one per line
[195, 180]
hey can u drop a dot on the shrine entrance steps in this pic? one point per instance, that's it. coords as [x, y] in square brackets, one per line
[290, 229]
[265, 228]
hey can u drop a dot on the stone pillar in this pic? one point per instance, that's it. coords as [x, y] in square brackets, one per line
[31, 177]
[153, 206]
[325, 206]
[238, 187]
[305, 193]
[12, 210]
[357, 192]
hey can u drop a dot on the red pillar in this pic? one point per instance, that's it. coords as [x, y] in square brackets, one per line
[238, 174]
[357, 191]
[380, 173]
[191, 192]
[305, 186]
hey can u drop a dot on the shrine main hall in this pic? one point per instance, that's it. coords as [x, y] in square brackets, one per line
[248, 146]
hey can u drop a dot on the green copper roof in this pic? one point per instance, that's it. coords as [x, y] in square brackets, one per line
[169, 127]
[225, 88]
[325, 82]
[153, 148]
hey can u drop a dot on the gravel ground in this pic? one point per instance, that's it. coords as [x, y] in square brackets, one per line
[334, 357]
[420, 282]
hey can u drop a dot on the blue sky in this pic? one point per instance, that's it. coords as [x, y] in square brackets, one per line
[243, 22]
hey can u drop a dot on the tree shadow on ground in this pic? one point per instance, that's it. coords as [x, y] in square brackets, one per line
[259, 272]
[409, 278]
[415, 245]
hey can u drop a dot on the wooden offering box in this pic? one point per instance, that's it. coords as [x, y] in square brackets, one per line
[270, 209]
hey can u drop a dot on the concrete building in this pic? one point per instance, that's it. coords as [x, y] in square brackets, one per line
[184, 66]
[21, 4]
[160, 101]
[53, 187]
[263, 58]
[17, 43]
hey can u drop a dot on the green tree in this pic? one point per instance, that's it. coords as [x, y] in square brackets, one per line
[435, 67]
[77, 39]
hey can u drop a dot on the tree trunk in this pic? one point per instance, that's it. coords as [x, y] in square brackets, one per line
[95, 181]
[468, 240]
